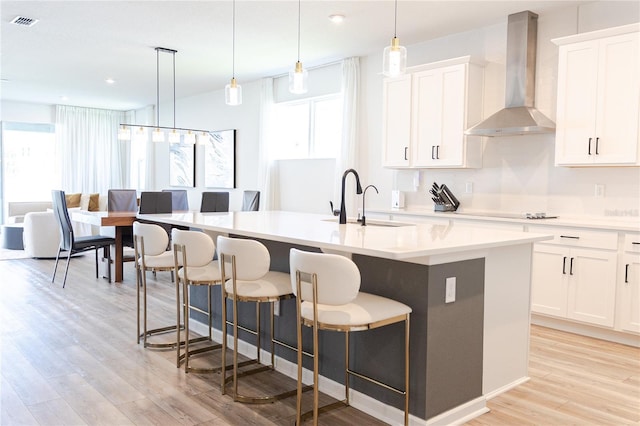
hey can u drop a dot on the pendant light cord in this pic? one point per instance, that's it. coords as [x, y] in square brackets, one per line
[233, 40]
[299, 30]
[157, 87]
[395, 21]
[174, 88]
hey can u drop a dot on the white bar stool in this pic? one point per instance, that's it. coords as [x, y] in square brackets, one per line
[150, 243]
[194, 250]
[244, 265]
[328, 298]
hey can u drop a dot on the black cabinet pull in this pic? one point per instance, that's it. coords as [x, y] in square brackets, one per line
[405, 152]
[564, 262]
[626, 273]
[635, 242]
[597, 143]
[437, 152]
[571, 267]
[590, 146]
[433, 157]
[569, 236]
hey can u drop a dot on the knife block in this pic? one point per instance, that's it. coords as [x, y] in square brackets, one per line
[444, 208]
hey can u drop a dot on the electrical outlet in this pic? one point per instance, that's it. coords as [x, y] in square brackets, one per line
[450, 292]
[599, 191]
[276, 308]
[468, 188]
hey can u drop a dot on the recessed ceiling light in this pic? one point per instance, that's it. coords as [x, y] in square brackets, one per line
[336, 18]
[110, 81]
[64, 98]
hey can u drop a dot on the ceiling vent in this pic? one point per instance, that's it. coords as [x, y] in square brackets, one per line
[24, 21]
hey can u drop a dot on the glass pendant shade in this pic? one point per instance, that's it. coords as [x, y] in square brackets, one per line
[298, 79]
[394, 59]
[189, 138]
[157, 135]
[174, 136]
[233, 93]
[124, 133]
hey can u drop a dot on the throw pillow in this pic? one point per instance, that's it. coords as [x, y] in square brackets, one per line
[73, 200]
[94, 202]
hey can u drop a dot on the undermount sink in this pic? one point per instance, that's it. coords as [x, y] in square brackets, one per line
[373, 222]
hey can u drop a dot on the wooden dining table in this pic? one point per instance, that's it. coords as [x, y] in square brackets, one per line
[119, 220]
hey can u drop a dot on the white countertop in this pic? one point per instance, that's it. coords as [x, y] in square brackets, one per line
[323, 231]
[613, 223]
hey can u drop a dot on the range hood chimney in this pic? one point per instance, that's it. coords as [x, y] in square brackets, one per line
[519, 117]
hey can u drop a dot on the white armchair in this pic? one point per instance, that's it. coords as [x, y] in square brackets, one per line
[41, 236]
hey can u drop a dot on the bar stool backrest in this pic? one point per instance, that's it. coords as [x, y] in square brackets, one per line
[338, 278]
[252, 257]
[199, 246]
[154, 236]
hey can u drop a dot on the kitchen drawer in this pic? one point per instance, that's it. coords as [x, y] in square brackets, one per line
[632, 243]
[578, 237]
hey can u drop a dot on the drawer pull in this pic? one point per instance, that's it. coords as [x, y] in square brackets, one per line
[590, 146]
[564, 262]
[635, 242]
[569, 236]
[405, 153]
[597, 142]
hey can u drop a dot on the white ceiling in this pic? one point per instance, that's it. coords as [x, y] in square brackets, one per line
[76, 45]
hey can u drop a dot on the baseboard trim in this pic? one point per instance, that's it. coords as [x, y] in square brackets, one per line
[628, 339]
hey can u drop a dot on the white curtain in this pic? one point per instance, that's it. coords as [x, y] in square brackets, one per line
[268, 167]
[348, 155]
[90, 156]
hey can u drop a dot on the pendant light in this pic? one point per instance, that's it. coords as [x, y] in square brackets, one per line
[394, 58]
[298, 76]
[233, 91]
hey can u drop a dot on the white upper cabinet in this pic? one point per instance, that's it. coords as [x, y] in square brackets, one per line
[426, 113]
[396, 125]
[599, 98]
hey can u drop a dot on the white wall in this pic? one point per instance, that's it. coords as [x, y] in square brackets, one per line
[518, 173]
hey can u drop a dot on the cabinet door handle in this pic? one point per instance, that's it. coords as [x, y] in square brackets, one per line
[437, 152]
[569, 236]
[597, 144]
[571, 267]
[564, 262]
[626, 273]
[433, 157]
[635, 242]
[590, 146]
[405, 153]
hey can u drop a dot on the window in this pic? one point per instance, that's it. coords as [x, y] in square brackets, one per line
[311, 128]
[28, 165]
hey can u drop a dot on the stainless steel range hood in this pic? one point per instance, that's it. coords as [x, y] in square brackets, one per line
[519, 117]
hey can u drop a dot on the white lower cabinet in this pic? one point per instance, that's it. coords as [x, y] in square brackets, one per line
[629, 302]
[575, 282]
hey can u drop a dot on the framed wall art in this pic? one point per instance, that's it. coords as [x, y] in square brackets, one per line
[220, 159]
[182, 164]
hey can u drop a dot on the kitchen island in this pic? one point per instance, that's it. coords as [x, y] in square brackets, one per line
[462, 351]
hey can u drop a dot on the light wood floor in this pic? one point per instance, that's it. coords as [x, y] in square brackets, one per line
[70, 357]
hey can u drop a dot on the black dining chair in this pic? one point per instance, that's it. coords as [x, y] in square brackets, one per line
[214, 202]
[152, 202]
[72, 244]
[251, 201]
[179, 199]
